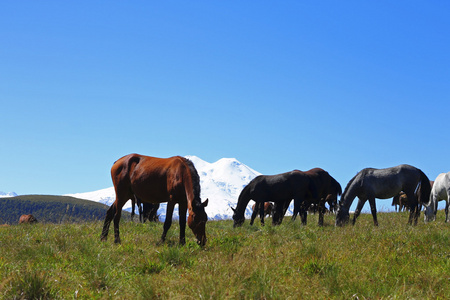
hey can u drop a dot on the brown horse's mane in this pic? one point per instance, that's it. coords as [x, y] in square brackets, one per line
[195, 181]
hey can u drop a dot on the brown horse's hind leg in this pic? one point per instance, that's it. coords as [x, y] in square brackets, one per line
[109, 216]
[116, 226]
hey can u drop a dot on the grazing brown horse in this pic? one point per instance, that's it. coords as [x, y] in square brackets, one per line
[327, 188]
[155, 180]
[27, 219]
[268, 210]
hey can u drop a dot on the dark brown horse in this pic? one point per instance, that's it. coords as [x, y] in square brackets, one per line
[155, 180]
[27, 219]
[268, 210]
[280, 189]
[327, 191]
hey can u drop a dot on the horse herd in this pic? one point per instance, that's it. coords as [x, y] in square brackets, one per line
[145, 179]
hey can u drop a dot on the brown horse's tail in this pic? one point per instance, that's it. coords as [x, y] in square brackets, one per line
[122, 168]
[424, 189]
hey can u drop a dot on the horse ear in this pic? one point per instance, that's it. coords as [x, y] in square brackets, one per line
[205, 203]
[233, 209]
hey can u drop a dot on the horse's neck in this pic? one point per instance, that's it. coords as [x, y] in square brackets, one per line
[243, 201]
[347, 198]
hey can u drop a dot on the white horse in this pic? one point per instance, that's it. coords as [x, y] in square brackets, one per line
[440, 191]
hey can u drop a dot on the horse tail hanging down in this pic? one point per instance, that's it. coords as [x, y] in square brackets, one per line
[424, 189]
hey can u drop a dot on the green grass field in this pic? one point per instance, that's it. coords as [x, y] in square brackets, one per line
[290, 261]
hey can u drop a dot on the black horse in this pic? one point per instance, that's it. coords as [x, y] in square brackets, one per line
[327, 188]
[280, 189]
[371, 183]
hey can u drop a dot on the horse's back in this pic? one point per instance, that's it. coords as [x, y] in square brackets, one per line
[276, 187]
[152, 179]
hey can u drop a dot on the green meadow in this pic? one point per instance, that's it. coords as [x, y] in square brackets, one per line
[290, 261]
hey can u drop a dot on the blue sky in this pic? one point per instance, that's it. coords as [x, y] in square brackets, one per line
[341, 85]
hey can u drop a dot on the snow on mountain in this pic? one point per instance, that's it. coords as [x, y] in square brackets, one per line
[106, 196]
[221, 182]
[5, 195]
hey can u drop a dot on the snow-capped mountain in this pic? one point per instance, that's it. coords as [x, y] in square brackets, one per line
[5, 195]
[221, 182]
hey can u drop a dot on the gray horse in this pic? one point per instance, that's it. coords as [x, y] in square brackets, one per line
[440, 191]
[371, 183]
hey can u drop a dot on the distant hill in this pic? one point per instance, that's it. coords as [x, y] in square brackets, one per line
[51, 209]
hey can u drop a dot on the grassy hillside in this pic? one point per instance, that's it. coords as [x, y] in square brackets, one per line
[392, 261]
[50, 209]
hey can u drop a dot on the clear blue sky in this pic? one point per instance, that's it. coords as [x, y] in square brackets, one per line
[341, 85]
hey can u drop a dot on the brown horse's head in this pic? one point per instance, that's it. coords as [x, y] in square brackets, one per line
[197, 222]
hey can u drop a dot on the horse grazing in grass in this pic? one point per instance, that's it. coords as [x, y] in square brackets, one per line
[439, 191]
[280, 189]
[371, 183]
[327, 191]
[268, 210]
[155, 180]
[27, 219]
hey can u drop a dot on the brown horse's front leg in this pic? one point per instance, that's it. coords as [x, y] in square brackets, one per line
[168, 221]
[182, 209]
